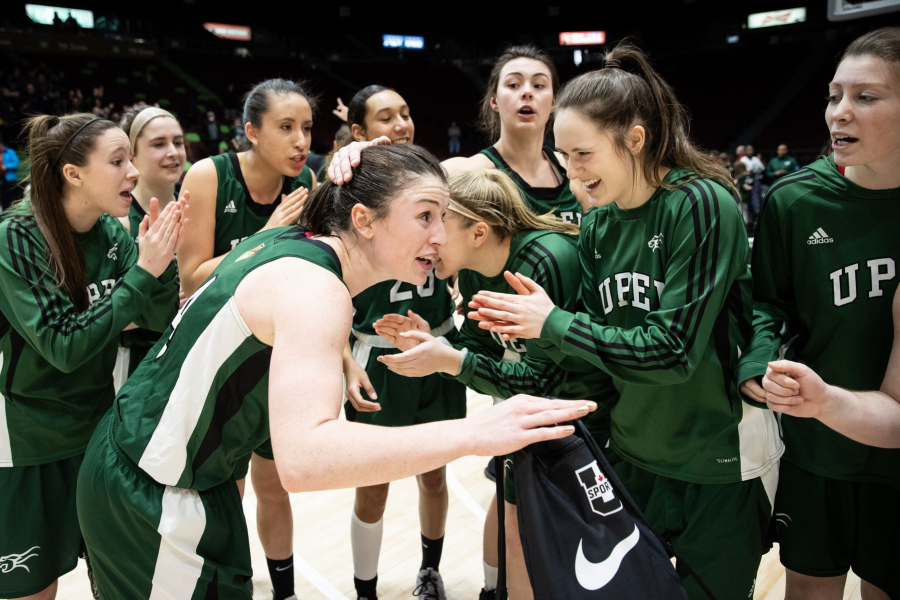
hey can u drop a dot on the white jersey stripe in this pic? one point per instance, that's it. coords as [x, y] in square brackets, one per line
[5, 447]
[759, 440]
[178, 566]
[165, 456]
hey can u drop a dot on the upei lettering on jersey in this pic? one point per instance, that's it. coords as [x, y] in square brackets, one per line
[93, 289]
[845, 280]
[626, 288]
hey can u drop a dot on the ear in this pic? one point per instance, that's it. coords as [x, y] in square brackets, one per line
[479, 232]
[72, 175]
[359, 134]
[494, 106]
[362, 219]
[251, 133]
[634, 139]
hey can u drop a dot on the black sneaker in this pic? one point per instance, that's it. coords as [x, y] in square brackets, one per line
[490, 471]
[487, 594]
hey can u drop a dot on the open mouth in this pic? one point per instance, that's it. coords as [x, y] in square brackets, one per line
[299, 160]
[126, 195]
[426, 261]
[400, 140]
[841, 141]
[589, 185]
[526, 111]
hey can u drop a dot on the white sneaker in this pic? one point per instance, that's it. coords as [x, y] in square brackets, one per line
[429, 585]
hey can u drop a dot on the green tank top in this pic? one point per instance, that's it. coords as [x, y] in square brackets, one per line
[541, 200]
[237, 215]
[431, 301]
[187, 417]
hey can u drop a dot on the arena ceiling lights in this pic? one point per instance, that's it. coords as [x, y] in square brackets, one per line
[582, 38]
[42, 14]
[773, 18]
[229, 32]
[410, 42]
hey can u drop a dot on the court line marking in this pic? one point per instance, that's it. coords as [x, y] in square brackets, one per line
[301, 566]
[460, 492]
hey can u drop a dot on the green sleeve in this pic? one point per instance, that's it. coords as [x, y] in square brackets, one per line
[163, 298]
[43, 313]
[773, 292]
[667, 347]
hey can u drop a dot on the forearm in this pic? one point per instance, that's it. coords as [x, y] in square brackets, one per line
[504, 379]
[872, 418]
[193, 278]
[338, 453]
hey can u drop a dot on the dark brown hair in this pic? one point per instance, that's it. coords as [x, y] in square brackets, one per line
[53, 143]
[489, 120]
[357, 109]
[382, 173]
[257, 100]
[628, 93]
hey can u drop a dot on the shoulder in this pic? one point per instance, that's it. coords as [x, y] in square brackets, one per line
[793, 187]
[205, 170]
[459, 164]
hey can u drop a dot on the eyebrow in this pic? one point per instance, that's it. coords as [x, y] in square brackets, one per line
[162, 137]
[860, 84]
[538, 74]
[435, 202]
[381, 110]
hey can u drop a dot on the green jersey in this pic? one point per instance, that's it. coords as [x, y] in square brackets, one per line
[559, 200]
[237, 215]
[199, 401]
[505, 368]
[788, 164]
[56, 363]
[667, 294]
[825, 267]
[431, 301]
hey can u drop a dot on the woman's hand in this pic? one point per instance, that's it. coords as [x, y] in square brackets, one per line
[356, 378]
[288, 211]
[795, 389]
[391, 326]
[428, 356]
[341, 111]
[340, 170]
[513, 316]
[160, 235]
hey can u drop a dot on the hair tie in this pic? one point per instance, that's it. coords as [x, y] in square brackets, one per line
[142, 118]
[612, 63]
[69, 141]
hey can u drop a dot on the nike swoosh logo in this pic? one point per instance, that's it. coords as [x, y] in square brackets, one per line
[280, 569]
[593, 576]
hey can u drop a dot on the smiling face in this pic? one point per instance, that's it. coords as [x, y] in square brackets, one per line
[160, 154]
[387, 114]
[407, 239]
[593, 159]
[283, 138]
[108, 177]
[524, 95]
[863, 113]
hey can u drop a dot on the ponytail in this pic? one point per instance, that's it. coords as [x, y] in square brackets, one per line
[490, 196]
[629, 92]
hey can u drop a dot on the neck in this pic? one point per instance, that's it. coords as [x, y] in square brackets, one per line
[263, 181]
[874, 177]
[80, 213]
[357, 270]
[491, 257]
[163, 191]
[523, 152]
[641, 192]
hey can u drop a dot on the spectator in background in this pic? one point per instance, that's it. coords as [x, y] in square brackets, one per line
[724, 159]
[744, 188]
[212, 132]
[453, 133]
[781, 165]
[9, 178]
[239, 139]
[756, 169]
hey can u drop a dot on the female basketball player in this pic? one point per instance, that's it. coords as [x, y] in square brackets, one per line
[825, 265]
[157, 151]
[156, 485]
[378, 111]
[667, 292]
[72, 279]
[236, 195]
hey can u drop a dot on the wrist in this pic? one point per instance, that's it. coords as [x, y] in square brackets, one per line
[453, 360]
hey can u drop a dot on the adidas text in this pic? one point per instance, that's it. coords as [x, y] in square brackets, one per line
[819, 237]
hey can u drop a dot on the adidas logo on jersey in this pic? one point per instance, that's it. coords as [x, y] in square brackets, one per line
[819, 237]
[230, 208]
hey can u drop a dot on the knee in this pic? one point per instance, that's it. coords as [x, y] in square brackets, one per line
[433, 483]
[370, 502]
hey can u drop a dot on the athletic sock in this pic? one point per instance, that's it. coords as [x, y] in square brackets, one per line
[282, 574]
[431, 552]
[366, 588]
[490, 576]
[365, 542]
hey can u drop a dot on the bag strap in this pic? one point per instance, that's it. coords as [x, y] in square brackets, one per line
[500, 471]
[582, 432]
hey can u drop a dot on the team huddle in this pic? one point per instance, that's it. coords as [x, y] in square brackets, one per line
[156, 349]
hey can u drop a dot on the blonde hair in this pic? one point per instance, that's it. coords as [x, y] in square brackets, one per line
[490, 196]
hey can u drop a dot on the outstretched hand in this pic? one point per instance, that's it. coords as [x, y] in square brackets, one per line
[340, 170]
[341, 111]
[522, 420]
[392, 325]
[429, 355]
[795, 389]
[288, 210]
[520, 315]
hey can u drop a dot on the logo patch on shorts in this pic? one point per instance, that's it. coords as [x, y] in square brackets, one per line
[15, 561]
[249, 253]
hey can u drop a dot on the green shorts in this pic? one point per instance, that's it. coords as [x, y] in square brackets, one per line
[242, 466]
[147, 539]
[39, 535]
[826, 526]
[718, 529]
[405, 400]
